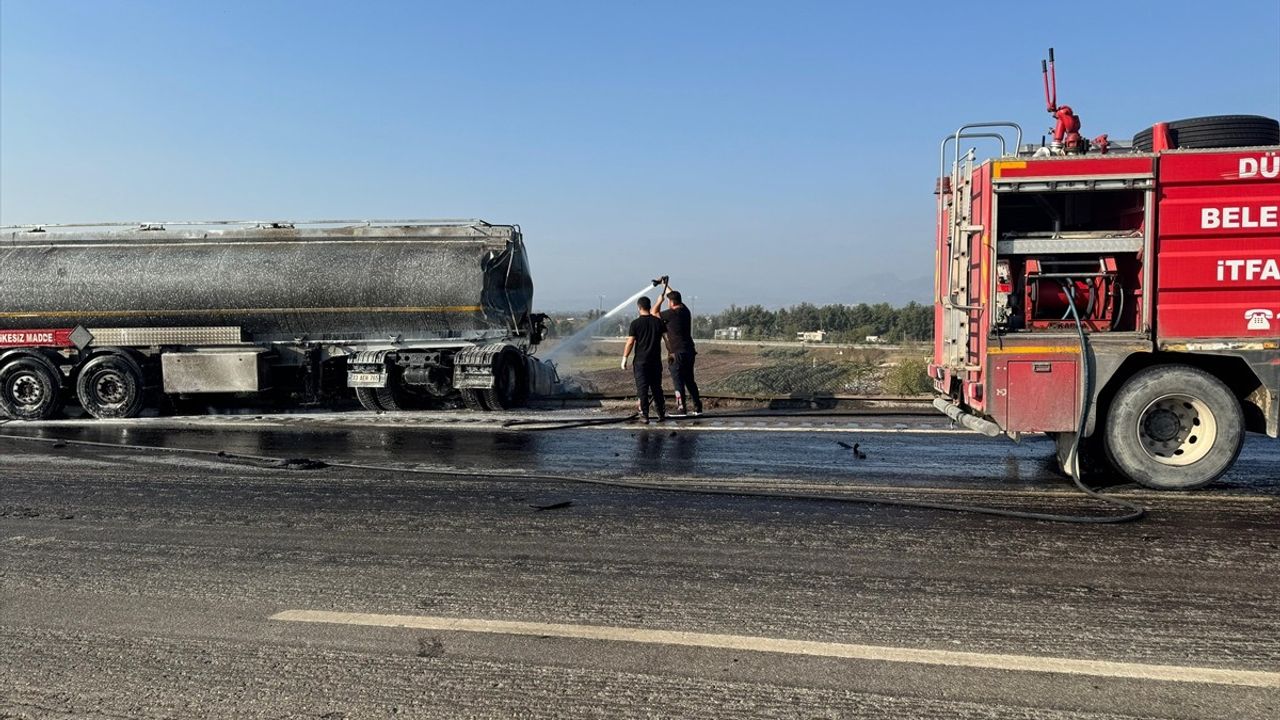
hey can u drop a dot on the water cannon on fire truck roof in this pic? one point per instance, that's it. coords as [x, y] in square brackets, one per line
[1066, 130]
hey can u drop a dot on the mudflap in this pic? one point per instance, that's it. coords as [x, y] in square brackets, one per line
[364, 368]
[1094, 464]
[473, 367]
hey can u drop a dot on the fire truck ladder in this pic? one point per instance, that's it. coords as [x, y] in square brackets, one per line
[955, 203]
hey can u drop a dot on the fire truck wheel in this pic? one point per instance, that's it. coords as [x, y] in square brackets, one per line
[29, 390]
[368, 399]
[111, 386]
[1217, 131]
[473, 400]
[1174, 427]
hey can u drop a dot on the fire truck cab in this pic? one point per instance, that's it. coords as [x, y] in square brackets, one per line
[1123, 300]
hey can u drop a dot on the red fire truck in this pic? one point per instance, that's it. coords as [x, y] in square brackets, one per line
[1123, 300]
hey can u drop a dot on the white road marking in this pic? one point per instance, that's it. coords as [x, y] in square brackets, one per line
[1020, 663]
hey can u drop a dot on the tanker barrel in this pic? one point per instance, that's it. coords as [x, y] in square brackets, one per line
[275, 283]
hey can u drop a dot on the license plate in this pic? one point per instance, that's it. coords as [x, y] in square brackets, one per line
[376, 380]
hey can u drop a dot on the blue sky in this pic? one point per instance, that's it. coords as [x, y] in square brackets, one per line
[770, 152]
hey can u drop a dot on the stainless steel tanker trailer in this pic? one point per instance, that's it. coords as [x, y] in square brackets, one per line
[405, 313]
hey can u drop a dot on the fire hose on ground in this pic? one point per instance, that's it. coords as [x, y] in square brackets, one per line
[1134, 511]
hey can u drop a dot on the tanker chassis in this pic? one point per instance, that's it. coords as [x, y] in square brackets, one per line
[1123, 300]
[405, 313]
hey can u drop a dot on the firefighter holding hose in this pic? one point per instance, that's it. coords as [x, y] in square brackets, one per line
[645, 338]
[680, 349]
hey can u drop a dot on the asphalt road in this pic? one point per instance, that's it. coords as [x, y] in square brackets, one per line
[143, 583]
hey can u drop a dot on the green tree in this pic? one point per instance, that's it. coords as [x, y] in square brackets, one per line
[846, 323]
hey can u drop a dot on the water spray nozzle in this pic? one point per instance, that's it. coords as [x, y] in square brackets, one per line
[661, 281]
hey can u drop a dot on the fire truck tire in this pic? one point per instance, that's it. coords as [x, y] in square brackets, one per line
[1173, 427]
[111, 386]
[368, 399]
[1217, 131]
[30, 389]
[473, 400]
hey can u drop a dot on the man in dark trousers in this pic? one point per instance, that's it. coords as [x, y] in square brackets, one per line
[680, 352]
[645, 337]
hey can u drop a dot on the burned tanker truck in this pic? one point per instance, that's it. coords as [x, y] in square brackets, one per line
[407, 314]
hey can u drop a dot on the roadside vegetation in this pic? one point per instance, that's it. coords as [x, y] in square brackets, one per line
[910, 376]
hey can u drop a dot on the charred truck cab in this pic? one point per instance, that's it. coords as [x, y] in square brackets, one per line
[1124, 300]
[405, 313]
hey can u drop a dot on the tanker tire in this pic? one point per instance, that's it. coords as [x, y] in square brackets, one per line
[29, 390]
[368, 399]
[1216, 131]
[473, 400]
[391, 398]
[1174, 427]
[509, 386]
[111, 386]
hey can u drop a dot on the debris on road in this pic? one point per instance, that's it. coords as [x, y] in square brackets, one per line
[553, 506]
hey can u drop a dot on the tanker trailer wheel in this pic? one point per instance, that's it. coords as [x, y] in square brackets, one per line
[393, 397]
[510, 383]
[1174, 427]
[368, 399]
[473, 400]
[29, 390]
[111, 386]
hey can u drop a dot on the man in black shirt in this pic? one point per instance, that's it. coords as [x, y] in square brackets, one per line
[645, 337]
[680, 351]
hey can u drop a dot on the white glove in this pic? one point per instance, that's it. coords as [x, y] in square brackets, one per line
[624, 363]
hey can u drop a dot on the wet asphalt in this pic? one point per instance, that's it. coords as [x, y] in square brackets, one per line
[142, 583]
